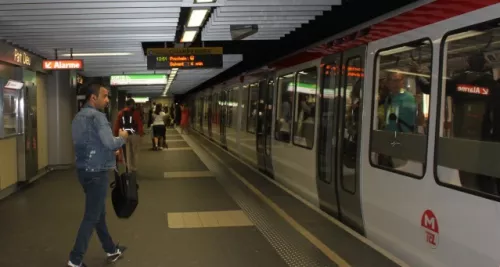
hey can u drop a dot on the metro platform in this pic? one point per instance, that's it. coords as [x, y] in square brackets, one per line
[198, 206]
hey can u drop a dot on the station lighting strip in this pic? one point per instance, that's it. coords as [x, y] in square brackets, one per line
[195, 20]
[97, 54]
[171, 78]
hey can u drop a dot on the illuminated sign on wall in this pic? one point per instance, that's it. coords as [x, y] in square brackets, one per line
[187, 61]
[22, 57]
[139, 79]
[65, 64]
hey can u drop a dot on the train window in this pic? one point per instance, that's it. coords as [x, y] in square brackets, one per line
[284, 104]
[468, 144]
[253, 100]
[304, 114]
[401, 108]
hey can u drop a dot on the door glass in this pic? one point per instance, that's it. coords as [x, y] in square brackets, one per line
[328, 122]
[352, 94]
[269, 115]
[209, 115]
[261, 107]
[215, 114]
[284, 107]
[252, 107]
[222, 111]
[229, 108]
[244, 107]
[305, 107]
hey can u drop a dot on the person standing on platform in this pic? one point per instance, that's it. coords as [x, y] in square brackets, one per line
[130, 120]
[184, 123]
[158, 127]
[95, 151]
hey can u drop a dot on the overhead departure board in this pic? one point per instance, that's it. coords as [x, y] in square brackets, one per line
[185, 61]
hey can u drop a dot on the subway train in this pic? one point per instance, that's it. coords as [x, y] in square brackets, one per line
[389, 128]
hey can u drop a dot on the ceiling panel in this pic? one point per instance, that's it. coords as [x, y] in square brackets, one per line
[283, 16]
[121, 26]
[90, 26]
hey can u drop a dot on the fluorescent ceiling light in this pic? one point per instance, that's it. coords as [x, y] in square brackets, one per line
[140, 99]
[138, 79]
[204, 1]
[396, 50]
[463, 35]
[188, 36]
[98, 54]
[197, 17]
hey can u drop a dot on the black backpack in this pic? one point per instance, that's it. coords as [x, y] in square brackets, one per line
[127, 123]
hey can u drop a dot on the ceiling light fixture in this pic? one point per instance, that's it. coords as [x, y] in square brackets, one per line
[197, 17]
[204, 1]
[188, 36]
[97, 54]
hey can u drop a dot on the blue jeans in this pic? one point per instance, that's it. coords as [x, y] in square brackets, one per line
[95, 186]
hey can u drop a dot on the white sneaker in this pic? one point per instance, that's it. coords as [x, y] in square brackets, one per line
[70, 264]
[112, 257]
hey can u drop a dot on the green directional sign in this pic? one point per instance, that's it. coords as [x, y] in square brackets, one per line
[138, 79]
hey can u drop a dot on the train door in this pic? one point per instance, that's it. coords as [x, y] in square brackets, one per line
[340, 123]
[268, 114]
[327, 136]
[263, 130]
[223, 117]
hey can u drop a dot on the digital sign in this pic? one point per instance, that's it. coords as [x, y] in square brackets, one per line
[65, 64]
[139, 79]
[187, 61]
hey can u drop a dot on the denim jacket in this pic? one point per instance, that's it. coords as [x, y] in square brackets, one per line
[93, 140]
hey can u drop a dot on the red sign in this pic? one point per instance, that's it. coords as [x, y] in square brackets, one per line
[430, 224]
[471, 89]
[65, 64]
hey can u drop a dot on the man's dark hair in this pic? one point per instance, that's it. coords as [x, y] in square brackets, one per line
[92, 89]
[130, 102]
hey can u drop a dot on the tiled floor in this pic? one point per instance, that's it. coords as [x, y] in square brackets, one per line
[192, 212]
[38, 225]
[230, 218]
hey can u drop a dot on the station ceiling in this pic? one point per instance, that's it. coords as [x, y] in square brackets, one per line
[121, 26]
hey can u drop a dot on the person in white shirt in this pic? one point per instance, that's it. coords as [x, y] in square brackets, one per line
[158, 127]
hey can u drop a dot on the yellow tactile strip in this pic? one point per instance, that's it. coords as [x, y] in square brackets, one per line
[231, 218]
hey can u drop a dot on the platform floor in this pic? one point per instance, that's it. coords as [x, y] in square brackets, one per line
[199, 206]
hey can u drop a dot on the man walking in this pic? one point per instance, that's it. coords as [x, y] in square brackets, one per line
[129, 119]
[95, 151]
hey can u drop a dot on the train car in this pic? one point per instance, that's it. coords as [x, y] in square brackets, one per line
[392, 128]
